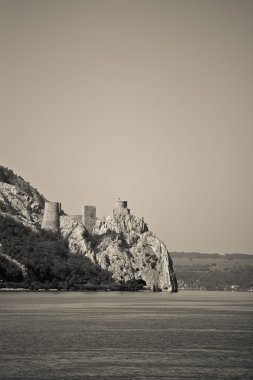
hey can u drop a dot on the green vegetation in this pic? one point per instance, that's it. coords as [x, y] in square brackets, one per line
[49, 263]
[213, 271]
[47, 259]
[10, 271]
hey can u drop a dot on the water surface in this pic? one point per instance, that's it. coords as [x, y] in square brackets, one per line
[126, 335]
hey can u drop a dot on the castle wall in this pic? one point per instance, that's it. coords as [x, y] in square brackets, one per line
[51, 218]
[89, 217]
[65, 219]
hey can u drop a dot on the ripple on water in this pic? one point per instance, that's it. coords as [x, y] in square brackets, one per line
[126, 335]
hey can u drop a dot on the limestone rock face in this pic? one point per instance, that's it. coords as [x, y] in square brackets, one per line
[132, 252]
[120, 222]
[19, 205]
[122, 244]
[75, 232]
[114, 256]
[20, 200]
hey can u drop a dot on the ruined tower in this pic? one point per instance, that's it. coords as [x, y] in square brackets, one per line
[51, 217]
[89, 217]
[121, 208]
[121, 204]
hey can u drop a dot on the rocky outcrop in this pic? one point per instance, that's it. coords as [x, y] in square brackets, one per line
[76, 235]
[134, 253]
[20, 200]
[7, 176]
[122, 244]
[20, 206]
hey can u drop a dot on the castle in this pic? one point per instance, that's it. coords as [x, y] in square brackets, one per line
[54, 218]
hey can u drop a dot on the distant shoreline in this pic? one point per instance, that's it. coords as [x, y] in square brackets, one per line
[11, 290]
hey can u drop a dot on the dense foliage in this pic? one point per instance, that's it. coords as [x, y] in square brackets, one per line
[9, 271]
[47, 259]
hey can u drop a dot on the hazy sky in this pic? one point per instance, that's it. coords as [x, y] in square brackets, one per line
[149, 101]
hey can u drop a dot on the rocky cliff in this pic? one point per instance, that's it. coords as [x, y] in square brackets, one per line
[20, 200]
[120, 245]
[134, 252]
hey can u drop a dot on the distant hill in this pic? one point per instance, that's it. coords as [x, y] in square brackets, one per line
[213, 271]
[195, 255]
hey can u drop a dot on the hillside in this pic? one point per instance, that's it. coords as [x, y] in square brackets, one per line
[8, 176]
[120, 253]
[213, 271]
[19, 199]
[46, 258]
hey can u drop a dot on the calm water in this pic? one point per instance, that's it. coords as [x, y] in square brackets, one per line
[114, 335]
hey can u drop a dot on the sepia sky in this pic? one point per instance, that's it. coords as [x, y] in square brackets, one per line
[149, 101]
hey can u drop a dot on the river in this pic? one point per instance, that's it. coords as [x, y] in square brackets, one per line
[126, 335]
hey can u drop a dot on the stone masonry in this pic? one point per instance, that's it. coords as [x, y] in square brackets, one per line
[54, 219]
[89, 217]
[51, 217]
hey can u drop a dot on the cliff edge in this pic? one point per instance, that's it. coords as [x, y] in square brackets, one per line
[123, 245]
[20, 200]
[119, 247]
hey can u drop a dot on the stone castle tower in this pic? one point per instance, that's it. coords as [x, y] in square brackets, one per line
[121, 208]
[89, 217]
[54, 218]
[51, 217]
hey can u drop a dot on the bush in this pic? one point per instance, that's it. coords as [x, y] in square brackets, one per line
[47, 259]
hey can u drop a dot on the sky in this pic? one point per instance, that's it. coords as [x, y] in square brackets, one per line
[146, 101]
